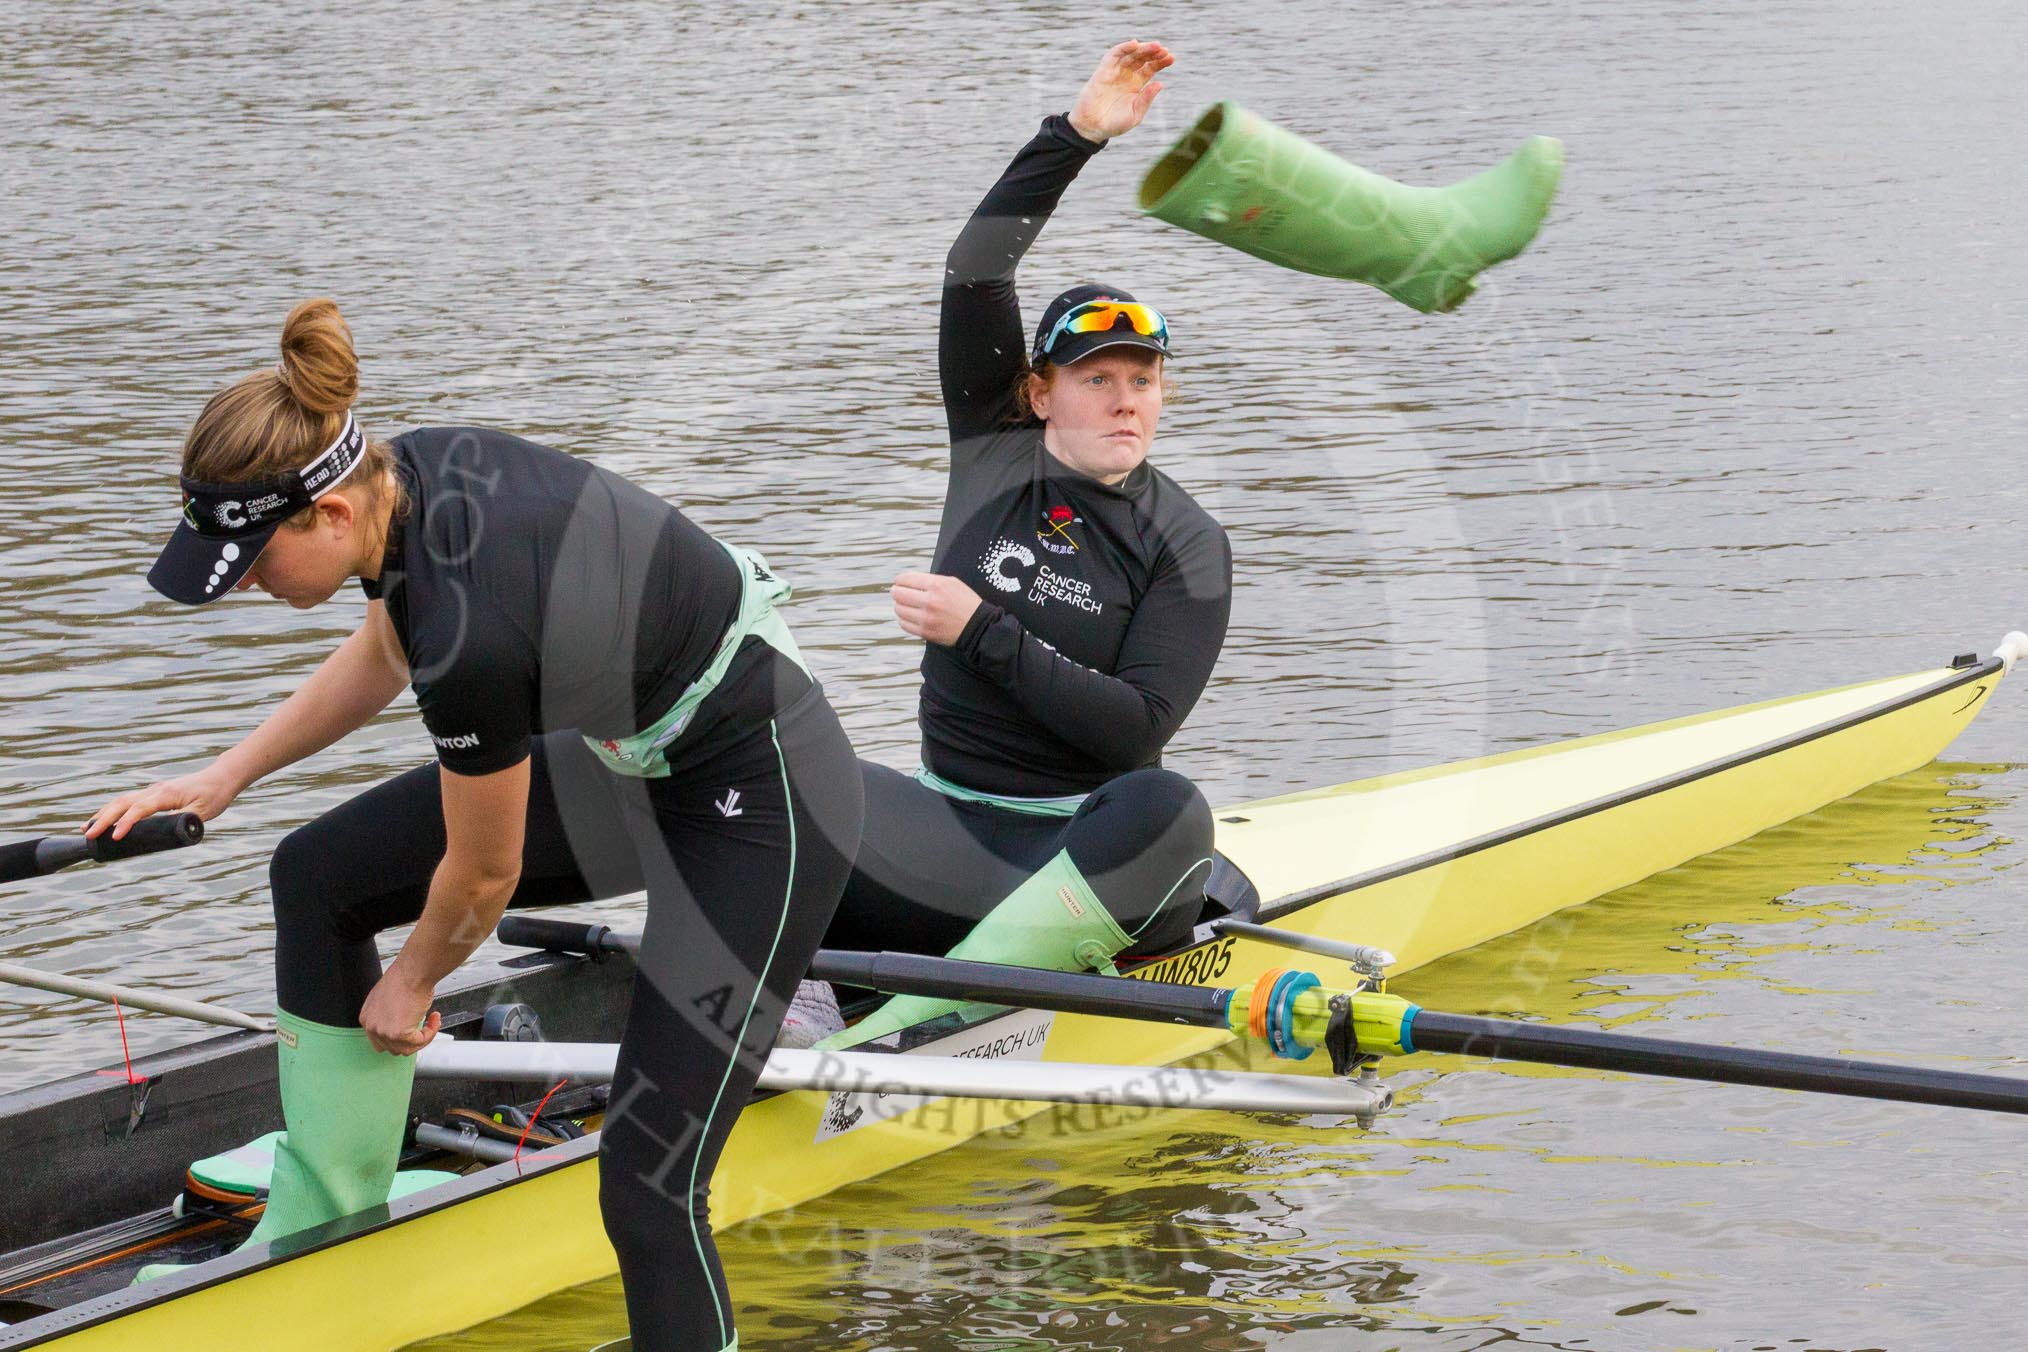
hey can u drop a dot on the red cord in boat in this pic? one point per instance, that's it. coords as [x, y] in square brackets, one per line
[532, 1119]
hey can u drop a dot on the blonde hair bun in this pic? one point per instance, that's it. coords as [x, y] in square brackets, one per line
[318, 366]
[282, 417]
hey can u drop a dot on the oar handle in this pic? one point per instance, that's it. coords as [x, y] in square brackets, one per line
[564, 936]
[33, 858]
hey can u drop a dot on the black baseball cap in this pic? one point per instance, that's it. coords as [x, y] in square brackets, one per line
[226, 526]
[1131, 325]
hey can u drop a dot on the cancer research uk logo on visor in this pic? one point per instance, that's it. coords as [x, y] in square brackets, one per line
[235, 514]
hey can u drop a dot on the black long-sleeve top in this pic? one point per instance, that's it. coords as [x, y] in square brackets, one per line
[1104, 605]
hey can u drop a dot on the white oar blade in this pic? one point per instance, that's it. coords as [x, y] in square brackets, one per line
[934, 1076]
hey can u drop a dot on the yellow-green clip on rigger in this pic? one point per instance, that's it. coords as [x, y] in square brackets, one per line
[1380, 1022]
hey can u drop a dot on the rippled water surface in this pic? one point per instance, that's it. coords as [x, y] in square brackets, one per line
[1742, 424]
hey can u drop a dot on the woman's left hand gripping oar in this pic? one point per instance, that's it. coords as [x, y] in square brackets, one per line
[206, 792]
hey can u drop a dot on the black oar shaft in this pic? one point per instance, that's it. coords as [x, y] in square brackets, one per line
[937, 978]
[1064, 992]
[33, 858]
[1587, 1049]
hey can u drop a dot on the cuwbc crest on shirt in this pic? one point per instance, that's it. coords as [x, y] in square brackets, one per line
[1054, 532]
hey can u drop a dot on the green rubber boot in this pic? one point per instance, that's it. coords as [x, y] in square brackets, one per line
[1053, 921]
[247, 1171]
[347, 1109]
[1241, 180]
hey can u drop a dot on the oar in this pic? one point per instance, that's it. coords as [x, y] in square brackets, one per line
[937, 1077]
[950, 978]
[106, 992]
[1299, 1016]
[1501, 1039]
[1387, 1025]
[911, 974]
[33, 858]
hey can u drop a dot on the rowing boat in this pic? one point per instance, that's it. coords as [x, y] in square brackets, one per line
[1421, 864]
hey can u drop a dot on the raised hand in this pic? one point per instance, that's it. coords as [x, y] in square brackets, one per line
[1119, 92]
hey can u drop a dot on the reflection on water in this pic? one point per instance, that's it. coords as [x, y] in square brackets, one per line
[1847, 884]
[1737, 427]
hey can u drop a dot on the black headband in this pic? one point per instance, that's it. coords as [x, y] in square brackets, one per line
[234, 511]
[226, 526]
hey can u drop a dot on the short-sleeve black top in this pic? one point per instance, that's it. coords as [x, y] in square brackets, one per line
[533, 591]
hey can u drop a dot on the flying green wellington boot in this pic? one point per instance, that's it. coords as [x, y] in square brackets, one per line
[1239, 179]
[347, 1109]
[1053, 921]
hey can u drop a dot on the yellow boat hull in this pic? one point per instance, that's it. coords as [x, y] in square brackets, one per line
[1423, 864]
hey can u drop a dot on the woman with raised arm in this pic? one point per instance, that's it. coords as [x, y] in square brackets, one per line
[615, 704]
[1077, 602]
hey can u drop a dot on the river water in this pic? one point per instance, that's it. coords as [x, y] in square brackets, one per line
[1728, 432]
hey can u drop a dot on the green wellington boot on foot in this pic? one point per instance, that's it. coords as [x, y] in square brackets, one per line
[1053, 921]
[1239, 179]
[347, 1109]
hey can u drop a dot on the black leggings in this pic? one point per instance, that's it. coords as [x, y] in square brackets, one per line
[739, 892]
[930, 867]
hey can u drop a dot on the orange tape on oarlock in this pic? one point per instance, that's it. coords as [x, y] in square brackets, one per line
[1257, 1007]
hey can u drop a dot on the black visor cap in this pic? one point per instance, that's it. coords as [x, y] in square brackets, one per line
[196, 567]
[226, 526]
